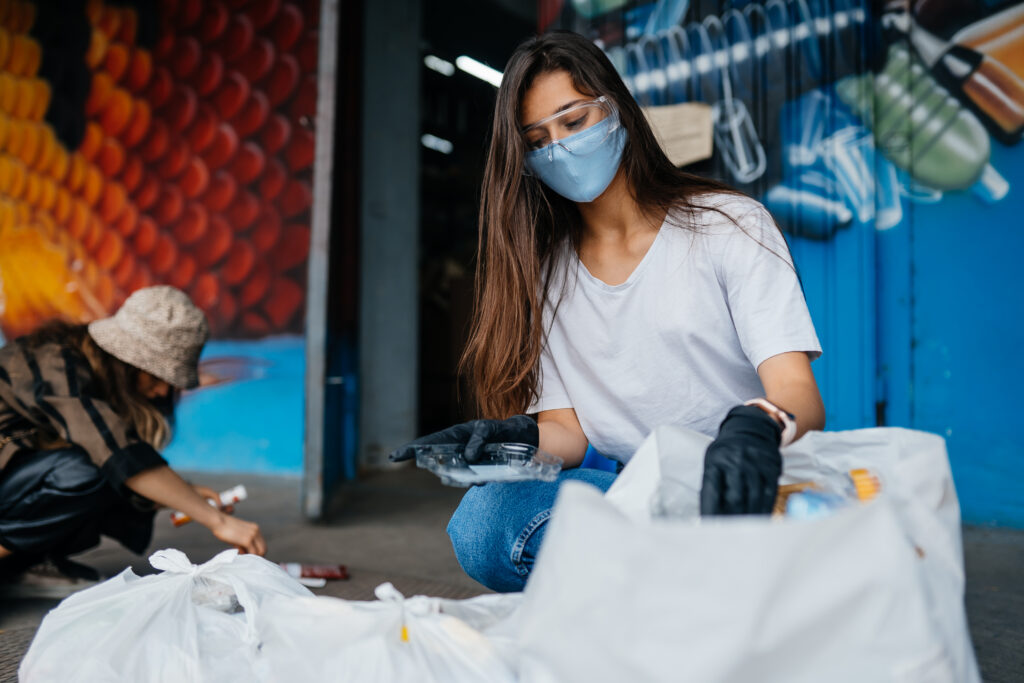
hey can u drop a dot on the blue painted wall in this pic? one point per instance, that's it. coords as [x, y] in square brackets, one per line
[252, 420]
[903, 203]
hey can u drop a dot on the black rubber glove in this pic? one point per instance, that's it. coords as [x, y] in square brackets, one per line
[742, 466]
[475, 434]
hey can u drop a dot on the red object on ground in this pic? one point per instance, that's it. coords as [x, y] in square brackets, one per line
[186, 57]
[205, 291]
[183, 273]
[146, 235]
[267, 231]
[164, 255]
[292, 249]
[287, 28]
[257, 62]
[193, 224]
[170, 206]
[301, 150]
[209, 74]
[283, 79]
[274, 178]
[241, 258]
[248, 163]
[215, 243]
[283, 300]
[203, 131]
[196, 178]
[275, 134]
[243, 211]
[296, 198]
[225, 144]
[221, 191]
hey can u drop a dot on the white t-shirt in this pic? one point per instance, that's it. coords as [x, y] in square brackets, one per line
[678, 342]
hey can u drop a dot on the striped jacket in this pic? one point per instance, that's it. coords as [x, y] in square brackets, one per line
[49, 392]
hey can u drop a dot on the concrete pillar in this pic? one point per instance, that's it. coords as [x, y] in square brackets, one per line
[389, 249]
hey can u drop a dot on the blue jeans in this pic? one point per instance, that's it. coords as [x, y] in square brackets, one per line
[497, 529]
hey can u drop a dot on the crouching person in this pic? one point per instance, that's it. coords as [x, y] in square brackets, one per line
[84, 412]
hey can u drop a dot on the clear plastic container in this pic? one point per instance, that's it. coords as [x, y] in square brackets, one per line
[499, 462]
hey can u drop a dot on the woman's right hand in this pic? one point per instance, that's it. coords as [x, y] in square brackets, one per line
[241, 534]
[474, 435]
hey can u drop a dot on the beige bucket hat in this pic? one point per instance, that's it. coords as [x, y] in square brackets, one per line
[159, 330]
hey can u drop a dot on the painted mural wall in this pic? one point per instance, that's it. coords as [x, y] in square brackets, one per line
[168, 142]
[884, 139]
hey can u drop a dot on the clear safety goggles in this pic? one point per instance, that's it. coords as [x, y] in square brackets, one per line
[575, 130]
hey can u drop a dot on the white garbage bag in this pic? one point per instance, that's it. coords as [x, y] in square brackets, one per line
[617, 593]
[664, 478]
[729, 601]
[393, 639]
[188, 623]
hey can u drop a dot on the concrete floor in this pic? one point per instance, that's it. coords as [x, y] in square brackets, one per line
[390, 527]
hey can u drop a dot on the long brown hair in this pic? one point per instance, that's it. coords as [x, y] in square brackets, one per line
[522, 222]
[116, 382]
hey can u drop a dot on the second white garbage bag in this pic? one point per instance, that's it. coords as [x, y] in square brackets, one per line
[663, 479]
[393, 640]
[188, 623]
[729, 601]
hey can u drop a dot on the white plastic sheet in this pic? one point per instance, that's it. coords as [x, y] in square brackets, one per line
[618, 595]
[394, 639]
[188, 623]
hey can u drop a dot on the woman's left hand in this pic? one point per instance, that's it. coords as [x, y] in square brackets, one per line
[742, 466]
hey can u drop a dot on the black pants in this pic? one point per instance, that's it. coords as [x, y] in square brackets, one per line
[58, 503]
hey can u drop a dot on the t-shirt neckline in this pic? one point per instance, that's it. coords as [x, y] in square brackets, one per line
[633, 277]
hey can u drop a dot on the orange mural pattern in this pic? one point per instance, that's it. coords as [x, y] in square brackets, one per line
[194, 168]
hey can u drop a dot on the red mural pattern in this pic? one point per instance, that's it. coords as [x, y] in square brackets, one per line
[194, 170]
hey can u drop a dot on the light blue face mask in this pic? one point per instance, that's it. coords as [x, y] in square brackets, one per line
[581, 166]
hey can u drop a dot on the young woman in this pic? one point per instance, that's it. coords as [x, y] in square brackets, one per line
[83, 412]
[616, 293]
